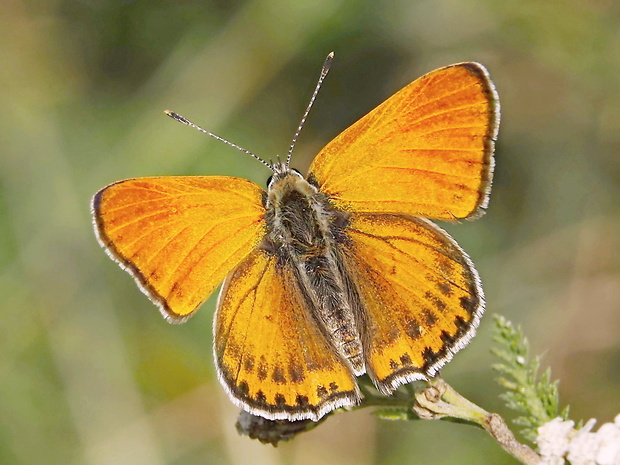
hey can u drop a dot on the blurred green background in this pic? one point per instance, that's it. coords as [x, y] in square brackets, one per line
[89, 371]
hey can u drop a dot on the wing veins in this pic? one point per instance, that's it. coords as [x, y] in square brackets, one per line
[436, 99]
[246, 332]
[424, 244]
[374, 167]
[167, 196]
[193, 248]
[444, 112]
[357, 173]
[435, 81]
[175, 218]
[421, 134]
[404, 168]
[223, 262]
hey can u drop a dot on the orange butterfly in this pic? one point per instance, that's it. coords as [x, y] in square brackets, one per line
[330, 276]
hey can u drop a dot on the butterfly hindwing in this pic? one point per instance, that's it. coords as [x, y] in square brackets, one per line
[179, 236]
[425, 151]
[420, 291]
[271, 355]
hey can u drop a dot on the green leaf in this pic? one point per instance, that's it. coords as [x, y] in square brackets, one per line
[534, 396]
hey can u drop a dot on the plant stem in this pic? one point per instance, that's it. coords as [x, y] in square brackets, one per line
[440, 400]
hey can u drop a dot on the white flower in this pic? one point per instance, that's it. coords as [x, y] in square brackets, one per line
[553, 440]
[558, 440]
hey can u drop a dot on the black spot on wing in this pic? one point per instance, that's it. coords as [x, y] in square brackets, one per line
[262, 369]
[470, 303]
[405, 359]
[248, 363]
[428, 317]
[412, 328]
[296, 373]
[278, 375]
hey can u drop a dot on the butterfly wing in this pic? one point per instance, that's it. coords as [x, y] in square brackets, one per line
[425, 151]
[271, 356]
[179, 236]
[421, 293]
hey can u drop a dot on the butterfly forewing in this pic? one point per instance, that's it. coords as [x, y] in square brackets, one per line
[425, 151]
[420, 291]
[179, 236]
[271, 355]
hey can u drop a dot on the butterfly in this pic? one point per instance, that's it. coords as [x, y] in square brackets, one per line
[333, 275]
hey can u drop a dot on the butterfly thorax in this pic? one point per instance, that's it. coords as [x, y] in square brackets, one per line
[305, 232]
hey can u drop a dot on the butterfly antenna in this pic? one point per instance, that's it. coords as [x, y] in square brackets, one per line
[184, 120]
[326, 64]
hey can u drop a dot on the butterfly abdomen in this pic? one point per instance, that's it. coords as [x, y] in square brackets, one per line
[303, 231]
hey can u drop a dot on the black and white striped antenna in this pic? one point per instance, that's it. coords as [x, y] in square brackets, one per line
[324, 70]
[326, 64]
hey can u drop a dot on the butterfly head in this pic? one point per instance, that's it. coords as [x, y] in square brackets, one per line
[284, 181]
[282, 173]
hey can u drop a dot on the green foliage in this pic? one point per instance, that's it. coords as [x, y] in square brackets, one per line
[532, 395]
[395, 414]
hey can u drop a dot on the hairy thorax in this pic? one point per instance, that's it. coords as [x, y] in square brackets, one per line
[306, 233]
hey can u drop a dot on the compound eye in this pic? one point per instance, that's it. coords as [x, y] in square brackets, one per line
[269, 179]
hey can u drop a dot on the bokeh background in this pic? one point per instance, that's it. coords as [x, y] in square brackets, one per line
[89, 371]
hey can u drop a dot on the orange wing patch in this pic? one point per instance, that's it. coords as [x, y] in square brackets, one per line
[421, 293]
[425, 151]
[179, 236]
[271, 356]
